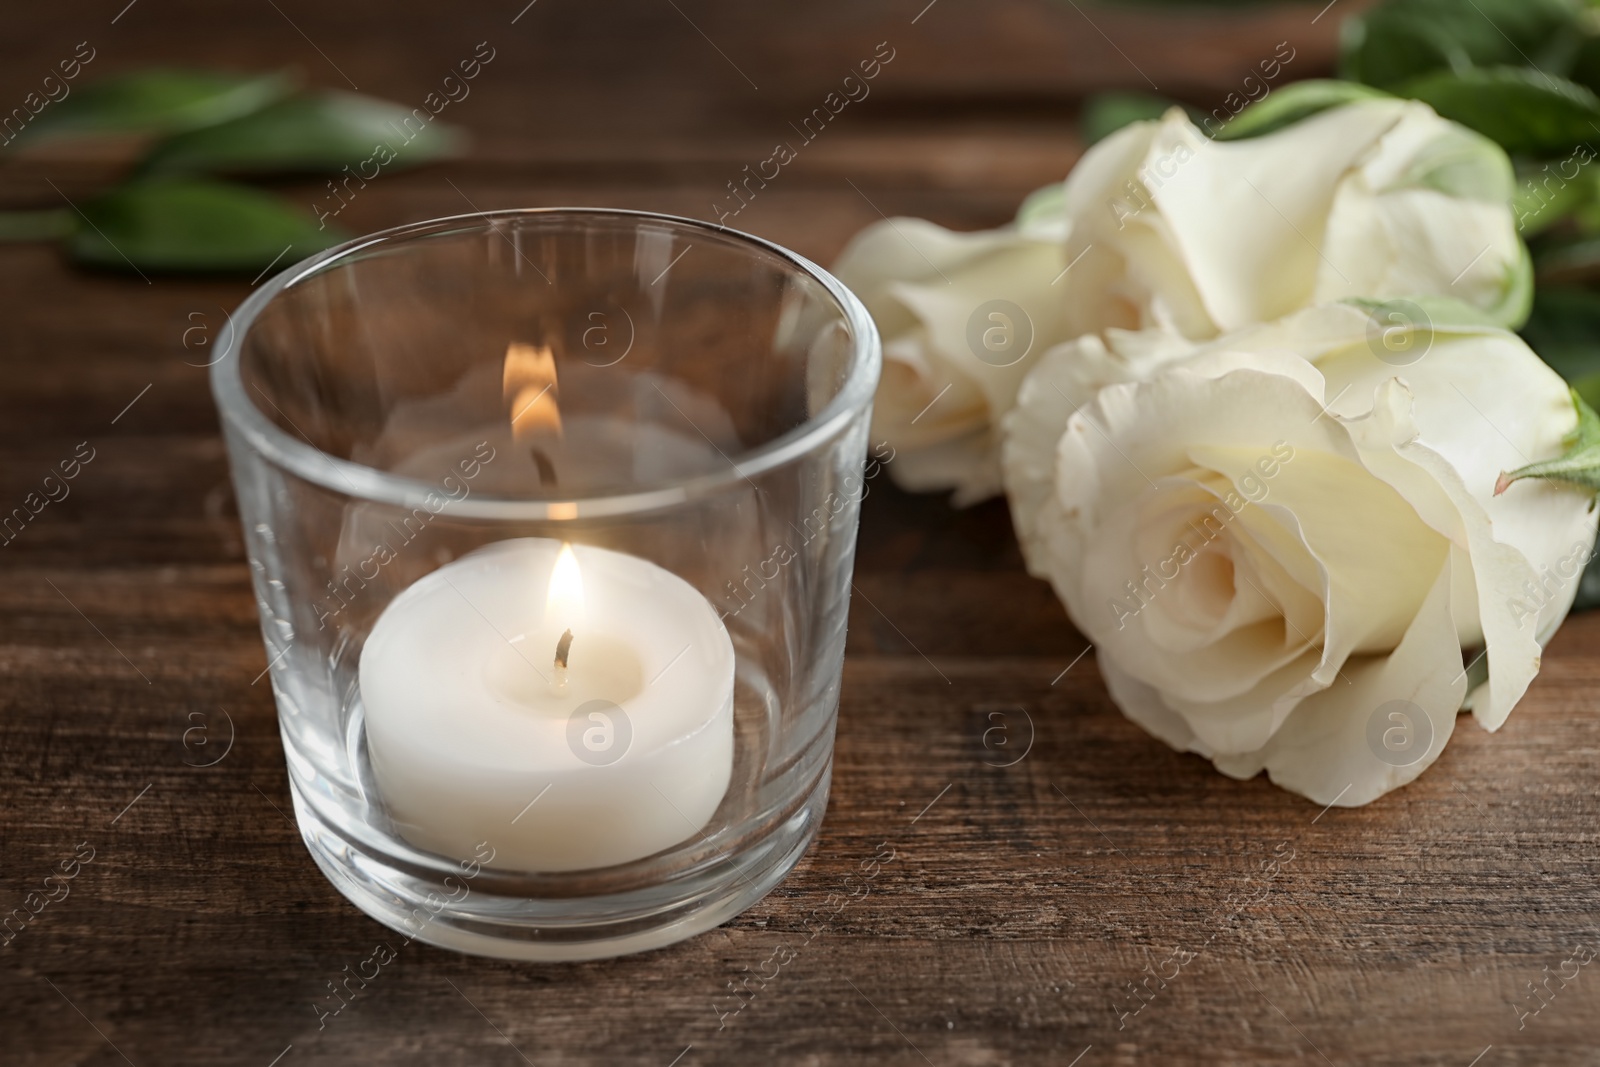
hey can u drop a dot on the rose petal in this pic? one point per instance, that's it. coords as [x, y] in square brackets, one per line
[969, 463]
[914, 380]
[1106, 460]
[1377, 555]
[1248, 226]
[1064, 377]
[1017, 277]
[1123, 622]
[1322, 750]
[1491, 405]
[926, 288]
[1143, 705]
[1417, 241]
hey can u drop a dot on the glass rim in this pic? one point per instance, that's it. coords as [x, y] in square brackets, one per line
[359, 481]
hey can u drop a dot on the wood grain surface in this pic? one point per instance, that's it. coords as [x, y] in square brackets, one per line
[1025, 902]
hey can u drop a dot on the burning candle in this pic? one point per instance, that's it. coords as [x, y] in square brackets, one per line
[587, 727]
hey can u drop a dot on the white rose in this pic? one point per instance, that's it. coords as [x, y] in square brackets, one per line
[1265, 577]
[1167, 229]
[961, 314]
[1379, 198]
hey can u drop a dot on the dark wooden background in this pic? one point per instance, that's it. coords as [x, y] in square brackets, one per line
[1023, 900]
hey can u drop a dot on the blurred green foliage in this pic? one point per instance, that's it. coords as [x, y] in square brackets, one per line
[311, 132]
[174, 212]
[156, 101]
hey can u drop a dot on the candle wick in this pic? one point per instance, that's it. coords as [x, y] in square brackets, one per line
[563, 648]
[547, 469]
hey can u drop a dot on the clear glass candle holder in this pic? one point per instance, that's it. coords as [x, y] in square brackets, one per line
[487, 752]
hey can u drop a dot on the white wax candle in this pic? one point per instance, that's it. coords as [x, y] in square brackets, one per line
[473, 739]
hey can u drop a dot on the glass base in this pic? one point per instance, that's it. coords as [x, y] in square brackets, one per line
[485, 920]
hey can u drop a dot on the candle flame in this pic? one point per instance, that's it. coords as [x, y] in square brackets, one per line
[528, 383]
[564, 603]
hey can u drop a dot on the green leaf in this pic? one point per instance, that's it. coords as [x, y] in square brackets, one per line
[1580, 466]
[45, 225]
[1521, 109]
[324, 131]
[1565, 330]
[1395, 42]
[1288, 105]
[1106, 113]
[193, 226]
[155, 101]
[1544, 195]
[1583, 66]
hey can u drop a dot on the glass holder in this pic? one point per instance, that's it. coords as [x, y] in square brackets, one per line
[493, 471]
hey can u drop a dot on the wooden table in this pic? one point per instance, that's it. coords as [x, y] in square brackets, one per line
[1024, 903]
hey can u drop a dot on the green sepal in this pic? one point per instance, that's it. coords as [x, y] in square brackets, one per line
[1579, 466]
[1441, 314]
[1044, 207]
[1292, 103]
